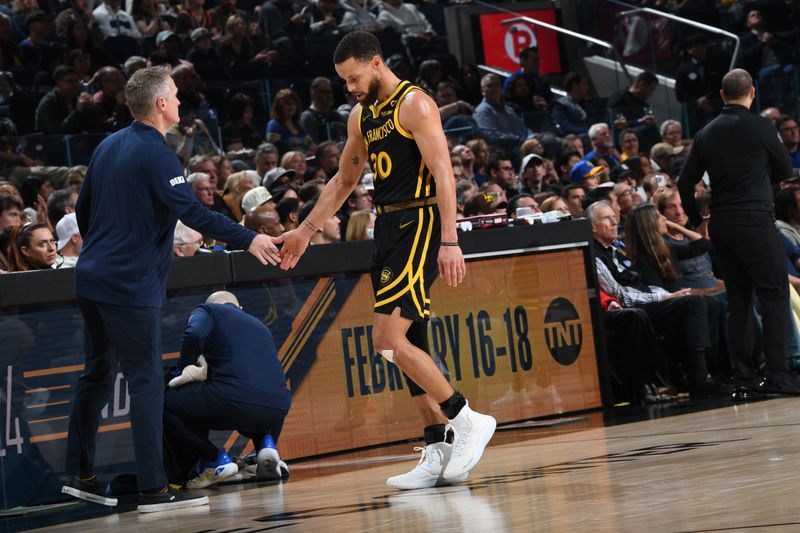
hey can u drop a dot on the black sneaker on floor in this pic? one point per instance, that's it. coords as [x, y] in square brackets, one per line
[88, 490]
[780, 385]
[169, 500]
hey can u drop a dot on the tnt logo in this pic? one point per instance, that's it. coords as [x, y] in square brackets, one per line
[518, 37]
[177, 180]
[563, 332]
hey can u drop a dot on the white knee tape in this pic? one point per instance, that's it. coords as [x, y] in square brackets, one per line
[388, 355]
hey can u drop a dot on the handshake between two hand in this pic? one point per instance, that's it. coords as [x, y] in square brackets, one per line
[191, 373]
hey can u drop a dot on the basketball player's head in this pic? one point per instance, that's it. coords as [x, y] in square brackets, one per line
[359, 62]
[737, 87]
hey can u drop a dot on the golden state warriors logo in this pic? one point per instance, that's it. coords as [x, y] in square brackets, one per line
[386, 275]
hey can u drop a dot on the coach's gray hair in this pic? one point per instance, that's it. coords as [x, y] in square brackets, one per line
[145, 87]
[591, 211]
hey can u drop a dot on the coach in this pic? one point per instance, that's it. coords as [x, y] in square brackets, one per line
[132, 197]
[743, 156]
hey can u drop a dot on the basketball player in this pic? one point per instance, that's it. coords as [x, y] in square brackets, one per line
[397, 126]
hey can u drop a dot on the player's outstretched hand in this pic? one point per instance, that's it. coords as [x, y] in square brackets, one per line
[263, 247]
[451, 265]
[295, 243]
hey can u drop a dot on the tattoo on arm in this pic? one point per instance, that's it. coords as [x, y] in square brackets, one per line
[356, 160]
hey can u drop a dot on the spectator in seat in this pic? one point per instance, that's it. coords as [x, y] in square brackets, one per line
[627, 199]
[77, 37]
[78, 10]
[132, 64]
[237, 47]
[33, 247]
[696, 270]
[149, 20]
[408, 21]
[203, 51]
[63, 110]
[194, 15]
[521, 201]
[790, 135]
[326, 15]
[287, 21]
[289, 212]
[588, 175]
[35, 51]
[190, 88]
[538, 87]
[239, 132]
[772, 114]
[206, 165]
[681, 315]
[602, 144]
[190, 137]
[629, 142]
[328, 156]
[502, 173]
[319, 119]
[499, 124]
[35, 191]
[114, 21]
[256, 197]
[75, 177]
[672, 133]
[264, 219]
[9, 51]
[266, 159]
[328, 233]
[186, 241]
[574, 195]
[532, 172]
[358, 200]
[109, 102]
[555, 203]
[284, 129]
[359, 16]
[361, 226]
[295, 161]
[10, 212]
[569, 112]
[69, 240]
[663, 154]
[60, 203]
[224, 10]
[202, 188]
[235, 188]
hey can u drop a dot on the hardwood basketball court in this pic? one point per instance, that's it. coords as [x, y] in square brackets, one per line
[726, 468]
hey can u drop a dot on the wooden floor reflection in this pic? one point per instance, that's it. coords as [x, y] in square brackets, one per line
[725, 469]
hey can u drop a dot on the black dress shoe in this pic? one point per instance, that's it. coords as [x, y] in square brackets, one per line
[710, 387]
[649, 394]
[780, 385]
[742, 393]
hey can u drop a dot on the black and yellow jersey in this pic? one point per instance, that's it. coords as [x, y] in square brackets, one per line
[400, 174]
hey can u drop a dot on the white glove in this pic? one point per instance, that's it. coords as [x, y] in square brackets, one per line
[191, 373]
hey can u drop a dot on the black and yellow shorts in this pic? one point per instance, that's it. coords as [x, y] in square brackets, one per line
[405, 264]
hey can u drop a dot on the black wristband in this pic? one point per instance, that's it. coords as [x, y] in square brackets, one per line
[443, 243]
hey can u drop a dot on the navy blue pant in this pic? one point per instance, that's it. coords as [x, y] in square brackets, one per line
[132, 337]
[192, 410]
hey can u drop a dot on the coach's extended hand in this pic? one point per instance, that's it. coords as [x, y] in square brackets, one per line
[451, 265]
[263, 247]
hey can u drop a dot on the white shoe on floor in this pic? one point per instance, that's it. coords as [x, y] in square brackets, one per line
[429, 469]
[472, 433]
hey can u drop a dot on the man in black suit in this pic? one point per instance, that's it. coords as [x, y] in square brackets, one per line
[743, 155]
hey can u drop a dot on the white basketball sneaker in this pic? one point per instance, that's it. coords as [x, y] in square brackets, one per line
[429, 469]
[472, 433]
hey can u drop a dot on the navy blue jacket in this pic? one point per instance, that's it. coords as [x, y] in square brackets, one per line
[132, 197]
[243, 363]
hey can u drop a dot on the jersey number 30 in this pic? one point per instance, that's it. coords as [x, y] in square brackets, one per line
[381, 164]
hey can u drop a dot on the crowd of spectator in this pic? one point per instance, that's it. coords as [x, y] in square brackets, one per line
[263, 163]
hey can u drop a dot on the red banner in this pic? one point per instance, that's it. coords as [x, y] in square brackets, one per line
[502, 43]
